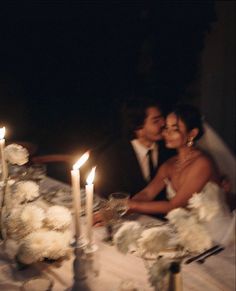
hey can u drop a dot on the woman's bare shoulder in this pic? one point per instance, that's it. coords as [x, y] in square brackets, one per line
[202, 161]
[203, 157]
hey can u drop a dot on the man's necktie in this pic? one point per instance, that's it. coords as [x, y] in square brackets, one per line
[150, 165]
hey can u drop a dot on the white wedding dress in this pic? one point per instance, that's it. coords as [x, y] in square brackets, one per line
[212, 211]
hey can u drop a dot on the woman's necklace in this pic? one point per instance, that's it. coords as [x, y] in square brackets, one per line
[180, 164]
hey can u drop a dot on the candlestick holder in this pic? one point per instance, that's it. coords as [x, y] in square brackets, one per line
[3, 207]
[79, 242]
[92, 265]
[90, 248]
[79, 263]
[83, 265]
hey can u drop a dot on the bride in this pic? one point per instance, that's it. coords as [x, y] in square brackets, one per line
[189, 172]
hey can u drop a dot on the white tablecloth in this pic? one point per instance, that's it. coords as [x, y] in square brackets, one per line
[111, 268]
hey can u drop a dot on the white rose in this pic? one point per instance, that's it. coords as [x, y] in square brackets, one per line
[26, 191]
[16, 154]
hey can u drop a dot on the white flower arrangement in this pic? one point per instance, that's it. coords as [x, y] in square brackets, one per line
[32, 215]
[35, 234]
[11, 222]
[191, 234]
[44, 244]
[58, 218]
[148, 244]
[154, 240]
[176, 216]
[184, 231]
[11, 248]
[193, 237]
[23, 220]
[205, 205]
[127, 236]
[16, 154]
[26, 191]
[39, 235]
[183, 234]
[158, 272]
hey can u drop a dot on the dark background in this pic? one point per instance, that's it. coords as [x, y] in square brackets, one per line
[66, 69]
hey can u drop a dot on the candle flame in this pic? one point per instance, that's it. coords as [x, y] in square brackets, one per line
[81, 161]
[2, 132]
[91, 176]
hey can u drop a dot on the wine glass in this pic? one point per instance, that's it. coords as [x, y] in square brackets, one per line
[119, 202]
[108, 217]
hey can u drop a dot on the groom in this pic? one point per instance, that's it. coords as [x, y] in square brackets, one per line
[130, 164]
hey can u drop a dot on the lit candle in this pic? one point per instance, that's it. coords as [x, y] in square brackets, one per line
[2, 145]
[89, 206]
[75, 177]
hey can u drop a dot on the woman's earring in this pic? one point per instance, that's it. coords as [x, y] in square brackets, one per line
[190, 142]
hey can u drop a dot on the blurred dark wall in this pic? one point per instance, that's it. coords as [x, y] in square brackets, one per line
[216, 85]
[67, 69]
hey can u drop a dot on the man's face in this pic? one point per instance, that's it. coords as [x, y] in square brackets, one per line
[152, 127]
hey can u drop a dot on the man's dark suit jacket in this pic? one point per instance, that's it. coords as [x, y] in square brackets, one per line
[118, 169]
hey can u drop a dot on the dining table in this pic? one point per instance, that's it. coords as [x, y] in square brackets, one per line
[108, 269]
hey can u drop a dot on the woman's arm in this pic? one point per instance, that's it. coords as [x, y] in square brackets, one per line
[154, 187]
[195, 179]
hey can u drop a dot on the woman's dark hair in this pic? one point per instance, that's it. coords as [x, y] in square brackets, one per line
[191, 117]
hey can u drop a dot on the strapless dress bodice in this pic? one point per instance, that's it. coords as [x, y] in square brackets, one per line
[212, 210]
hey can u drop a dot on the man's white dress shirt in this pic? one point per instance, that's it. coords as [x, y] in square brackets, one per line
[141, 153]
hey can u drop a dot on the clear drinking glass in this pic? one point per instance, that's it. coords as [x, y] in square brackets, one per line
[109, 217]
[119, 202]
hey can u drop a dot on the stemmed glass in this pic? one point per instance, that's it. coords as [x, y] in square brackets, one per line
[111, 211]
[119, 204]
[108, 217]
